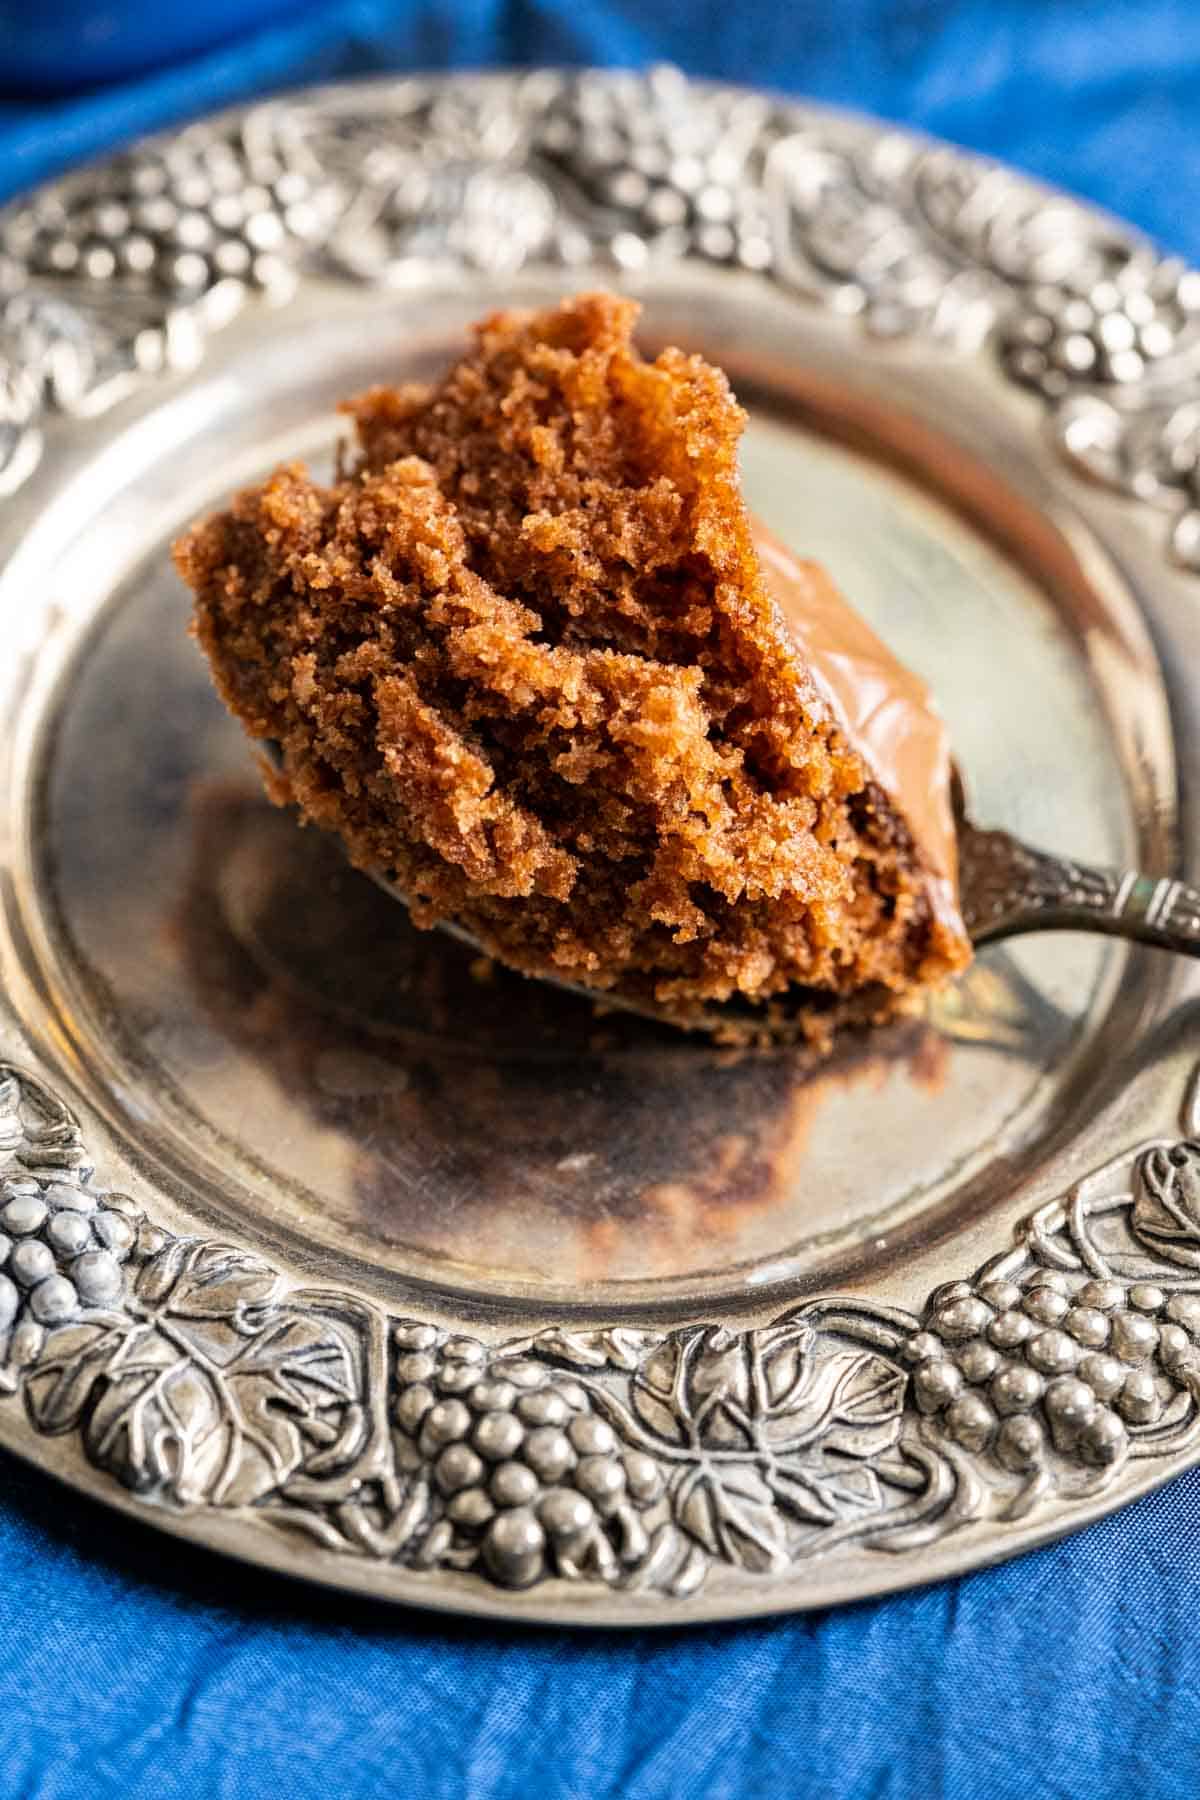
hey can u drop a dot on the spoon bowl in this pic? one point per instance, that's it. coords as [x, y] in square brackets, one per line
[1006, 889]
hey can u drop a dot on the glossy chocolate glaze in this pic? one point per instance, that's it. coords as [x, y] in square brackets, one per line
[885, 710]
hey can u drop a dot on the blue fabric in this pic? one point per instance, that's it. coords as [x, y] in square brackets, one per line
[61, 45]
[131, 1666]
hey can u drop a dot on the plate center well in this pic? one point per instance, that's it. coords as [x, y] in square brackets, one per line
[277, 1030]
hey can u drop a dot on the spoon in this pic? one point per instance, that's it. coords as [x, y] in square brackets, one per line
[1006, 889]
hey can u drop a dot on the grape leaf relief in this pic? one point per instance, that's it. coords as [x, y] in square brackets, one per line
[193, 1373]
[114, 275]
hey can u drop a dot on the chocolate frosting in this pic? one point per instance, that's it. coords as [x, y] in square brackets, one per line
[886, 712]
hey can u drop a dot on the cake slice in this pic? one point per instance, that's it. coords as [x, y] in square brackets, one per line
[532, 660]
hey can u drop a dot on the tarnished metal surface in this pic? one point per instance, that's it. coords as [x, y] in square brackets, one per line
[447, 1288]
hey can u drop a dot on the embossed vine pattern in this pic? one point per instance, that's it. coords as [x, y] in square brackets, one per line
[113, 275]
[197, 1376]
[191, 1371]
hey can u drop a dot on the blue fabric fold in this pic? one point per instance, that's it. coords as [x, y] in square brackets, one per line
[132, 1666]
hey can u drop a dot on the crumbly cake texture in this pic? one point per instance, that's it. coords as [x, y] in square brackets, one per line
[521, 658]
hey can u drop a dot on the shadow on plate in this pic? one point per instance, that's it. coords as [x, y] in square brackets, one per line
[469, 1095]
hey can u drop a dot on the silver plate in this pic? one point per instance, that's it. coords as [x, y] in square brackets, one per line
[449, 1290]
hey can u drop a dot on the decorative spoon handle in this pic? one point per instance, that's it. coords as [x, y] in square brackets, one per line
[1007, 888]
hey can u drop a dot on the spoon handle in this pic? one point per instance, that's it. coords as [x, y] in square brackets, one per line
[1008, 888]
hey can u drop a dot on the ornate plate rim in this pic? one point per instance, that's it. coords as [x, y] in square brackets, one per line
[616, 1474]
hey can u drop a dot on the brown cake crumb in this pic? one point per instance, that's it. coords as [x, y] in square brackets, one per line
[522, 659]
